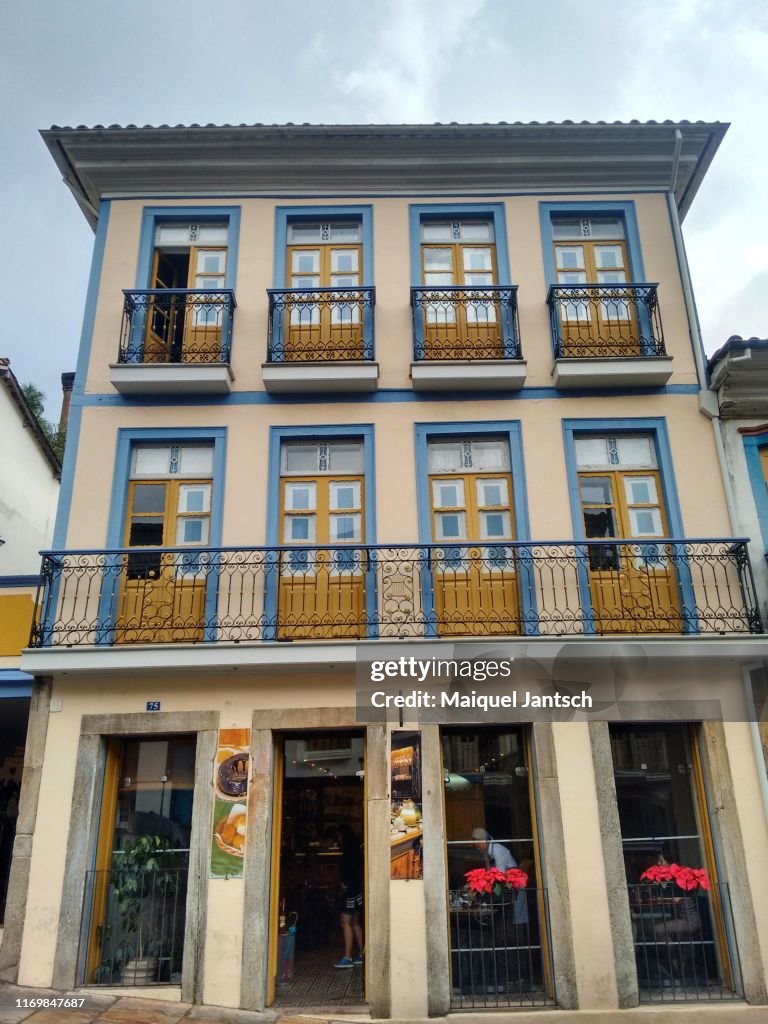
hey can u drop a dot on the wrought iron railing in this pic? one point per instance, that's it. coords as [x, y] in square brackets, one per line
[499, 956]
[176, 325]
[310, 325]
[678, 954]
[459, 322]
[562, 588]
[605, 321]
[133, 935]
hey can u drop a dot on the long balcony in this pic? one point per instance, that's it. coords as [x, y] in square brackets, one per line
[255, 595]
[607, 335]
[466, 338]
[320, 339]
[175, 339]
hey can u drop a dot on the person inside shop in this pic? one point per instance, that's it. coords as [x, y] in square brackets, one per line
[351, 897]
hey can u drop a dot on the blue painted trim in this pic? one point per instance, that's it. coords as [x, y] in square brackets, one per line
[656, 426]
[418, 212]
[14, 683]
[626, 211]
[753, 443]
[19, 581]
[284, 215]
[61, 525]
[277, 435]
[383, 395]
[511, 431]
[127, 437]
[152, 214]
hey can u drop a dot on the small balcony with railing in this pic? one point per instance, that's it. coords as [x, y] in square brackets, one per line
[266, 595]
[175, 340]
[607, 335]
[321, 339]
[466, 338]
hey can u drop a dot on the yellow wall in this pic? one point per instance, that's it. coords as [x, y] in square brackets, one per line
[17, 610]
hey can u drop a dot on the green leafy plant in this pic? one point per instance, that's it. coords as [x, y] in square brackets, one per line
[138, 872]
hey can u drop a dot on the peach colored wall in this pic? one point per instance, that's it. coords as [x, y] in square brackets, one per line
[392, 280]
[245, 503]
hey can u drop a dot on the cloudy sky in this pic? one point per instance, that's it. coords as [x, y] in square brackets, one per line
[155, 61]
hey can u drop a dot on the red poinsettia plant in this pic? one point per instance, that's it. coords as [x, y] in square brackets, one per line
[684, 877]
[494, 880]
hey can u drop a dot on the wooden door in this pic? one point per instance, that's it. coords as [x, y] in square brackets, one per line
[162, 594]
[322, 589]
[475, 586]
[633, 586]
[165, 314]
[204, 316]
[595, 326]
[324, 326]
[464, 323]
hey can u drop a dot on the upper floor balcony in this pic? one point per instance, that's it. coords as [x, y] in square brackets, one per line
[175, 339]
[607, 335]
[321, 339]
[466, 338]
[259, 595]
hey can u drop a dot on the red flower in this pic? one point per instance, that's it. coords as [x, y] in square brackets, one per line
[686, 878]
[483, 880]
[516, 878]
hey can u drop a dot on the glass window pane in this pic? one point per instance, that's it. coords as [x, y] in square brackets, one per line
[302, 233]
[346, 281]
[451, 526]
[212, 234]
[645, 522]
[495, 526]
[151, 460]
[607, 256]
[346, 495]
[145, 531]
[434, 231]
[192, 531]
[570, 258]
[149, 498]
[476, 231]
[211, 262]
[298, 529]
[433, 280]
[599, 522]
[483, 312]
[592, 451]
[172, 234]
[345, 458]
[490, 455]
[641, 490]
[196, 460]
[300, 458]
[607, 227]
[566, 228]
[306, 281]
[596, 490]
[444, 456]
[492, 492]
[636, 452]
[194, 499]
[347, 232]
[438, 259]
[573, 277]
[300, 497]
[305, 261]
[345, 528]
[344, 260]
[611, 277]
[448, 494]
[477, 259]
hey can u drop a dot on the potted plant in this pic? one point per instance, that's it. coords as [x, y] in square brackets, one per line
[138, 873]
[494, 882]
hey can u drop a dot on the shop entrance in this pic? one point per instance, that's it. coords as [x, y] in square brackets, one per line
[318, 871]
[14, 717]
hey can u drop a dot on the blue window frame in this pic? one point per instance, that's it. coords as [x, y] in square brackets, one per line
[656, 427]
[511, 432]
[153, 215]
[418, 213]
[277, 437]
[753, 445]
[127, 438]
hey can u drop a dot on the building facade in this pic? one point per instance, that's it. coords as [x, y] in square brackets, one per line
[351, 394]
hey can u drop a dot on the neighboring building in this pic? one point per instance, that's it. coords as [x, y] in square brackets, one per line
[351, 393]
[29, 490]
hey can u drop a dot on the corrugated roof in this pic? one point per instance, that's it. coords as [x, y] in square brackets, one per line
[434, 124]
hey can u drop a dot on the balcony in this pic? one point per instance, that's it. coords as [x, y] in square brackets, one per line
[607, 335]
[320, 339]
[175, 340]
[261, 595]
[466, 338]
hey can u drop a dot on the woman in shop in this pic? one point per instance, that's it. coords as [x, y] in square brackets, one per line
[351, 897]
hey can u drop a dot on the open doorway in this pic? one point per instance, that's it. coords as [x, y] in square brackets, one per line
[13, 734]
[318, 912]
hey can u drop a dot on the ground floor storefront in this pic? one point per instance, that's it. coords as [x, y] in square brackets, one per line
[220, 839]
